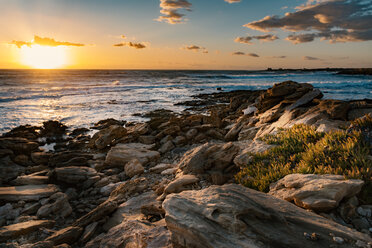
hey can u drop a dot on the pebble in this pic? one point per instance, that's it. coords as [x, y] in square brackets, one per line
[338, 240]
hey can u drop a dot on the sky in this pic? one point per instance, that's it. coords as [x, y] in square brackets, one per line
[185, 34]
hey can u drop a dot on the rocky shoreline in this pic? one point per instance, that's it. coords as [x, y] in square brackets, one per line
[171, 181]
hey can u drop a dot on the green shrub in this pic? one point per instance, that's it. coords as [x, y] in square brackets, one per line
[301, 149]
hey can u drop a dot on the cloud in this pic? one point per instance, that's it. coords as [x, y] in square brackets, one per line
[279, 57]
[248, 39]
[245, 54]
[136, 45]
[238, 53]
[195, 48]
[233, 1]
[332, 20]
[170, 11]
[310, 58]
[44, 42]
[123, 36]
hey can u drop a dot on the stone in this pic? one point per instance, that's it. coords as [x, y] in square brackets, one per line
[179, 140]
[244, 157]
[69, 158]
[67, 235]
[27, 193]
[354, 114]
[22, 159]
[18, 145]
[133, 168]
[102, 124]
[23, 228]
[169, 171]
[248, 133]
[161, 167]
[235, 216]
[166, 147]
[30, 179]
[107, 137]
[250, 110]
[106, 190]
[53, 128]
[9, 170]
[148, 139]
[208, 159]
[179, 184]
[96, 214]
[305, 99]
[315, 192]
[128, 189]
[134, 233]
[191, 133]
[74, 174]
[89, 232]
[121, 154]
[130, 209]
[40, 157]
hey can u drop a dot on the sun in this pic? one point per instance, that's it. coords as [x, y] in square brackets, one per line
[44, 57]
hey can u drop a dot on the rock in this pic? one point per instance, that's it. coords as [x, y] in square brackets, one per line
[250, 110]
[128, 189]
[22, 159]
[123, 153]
[191, 134]
[40, 157]
[305, 99]
[208, 159]
[89, 232]
[18, 145]
[166, 147]
[248, 133]
[107, 137]
[338, 240]
[74, 174]
[106, 190]
[96, 214]
[271, 114]
[329, 125]
[130, 209]
[69, 158]
[234, 216]
[335, 109]
[244, 157]
[33, 179]
[148, 139]
[53, 128]
[102, 124]
[179, 184]
[27, 193]
[16, 230]
[133, 168]
[161, 167]
[9, 170]
[315, 192]
[354, 114]
[169, 171]
[180, 140]
[67, 235]
[134, 233]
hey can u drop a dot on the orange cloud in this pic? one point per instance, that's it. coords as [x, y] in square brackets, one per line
[44, 42]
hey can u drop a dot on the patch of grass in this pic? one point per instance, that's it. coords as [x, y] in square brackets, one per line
[301, 149]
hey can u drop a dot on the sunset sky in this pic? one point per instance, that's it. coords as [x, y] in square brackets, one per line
[185, 34]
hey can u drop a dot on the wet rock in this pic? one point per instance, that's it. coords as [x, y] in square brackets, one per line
[40, 157]
[102, 124]
[121, 154]
[53, 128]
[19, 229]
[22, 159]
[107, 137]
[27, 193]
[208, 159]
[18, 145]
[234, 216]
[316, 192]
[75, 174]
[134, 233]
[133, 168]
[67, 235]
[9, 170]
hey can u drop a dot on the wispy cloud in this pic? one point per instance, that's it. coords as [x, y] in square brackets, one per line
[310, 58]
[195, 48]
[245, 54]
[131, 44]
[44, 42]
[170, 11]
[238, 53]
[332, 20]
[233, 1]
[248, 39]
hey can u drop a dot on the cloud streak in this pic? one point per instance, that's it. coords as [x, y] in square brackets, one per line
[136, 45]
[233, 1]
[248, 39]
[44, 42]
[245, 54]
[310, 58]
[332, 20]
[170, 11]
[195, 48]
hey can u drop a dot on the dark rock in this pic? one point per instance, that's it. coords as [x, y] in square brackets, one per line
[53, 128]
[16, 230]
[67, 235]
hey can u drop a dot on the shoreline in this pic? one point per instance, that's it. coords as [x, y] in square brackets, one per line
[132, 178]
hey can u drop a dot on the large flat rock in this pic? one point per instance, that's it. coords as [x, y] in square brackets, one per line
[27, 192]
[23, 228]
[235, 216]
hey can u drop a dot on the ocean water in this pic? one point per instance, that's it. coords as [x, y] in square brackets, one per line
[80, 98]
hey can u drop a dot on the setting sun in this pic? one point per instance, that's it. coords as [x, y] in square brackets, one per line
[43, 57]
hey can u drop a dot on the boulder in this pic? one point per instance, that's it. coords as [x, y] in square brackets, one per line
[30, 179]
[67, 235]
[75, 174]
[244, 157]
[18, 145]
[133, 168]
[9, 170]
[60, 207]
[235, 216]
[179, 184]
[166, 147]
[40, 157]
[53, 128]
[96, 214]
[69, 158]
[128, 189]
[121, 154]
[315, 192]
[305, 99]
[27, 193]
[23, 228]
[210, 159]
[107, 137]
[134, 233]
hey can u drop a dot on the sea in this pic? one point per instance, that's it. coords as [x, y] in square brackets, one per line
[80, 98]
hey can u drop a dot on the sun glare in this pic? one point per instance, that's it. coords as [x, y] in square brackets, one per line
[44, 57]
